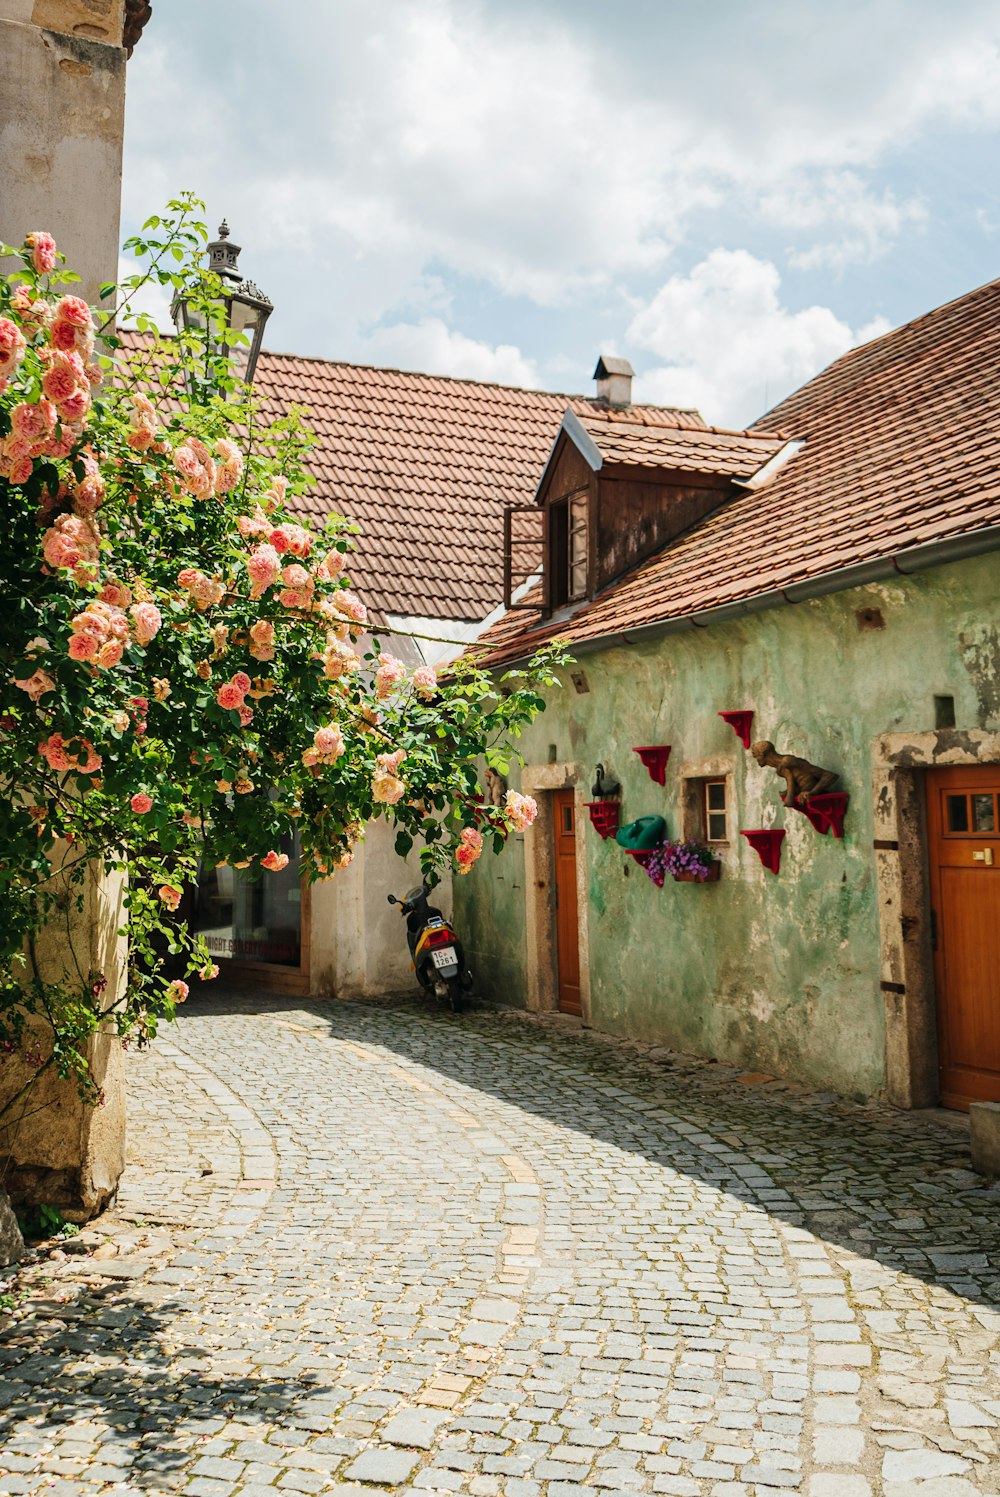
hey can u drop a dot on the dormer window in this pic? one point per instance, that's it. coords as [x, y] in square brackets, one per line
[567, 550]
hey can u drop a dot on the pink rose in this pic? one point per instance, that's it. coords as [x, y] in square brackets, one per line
[390, 672]
[21, 470]
[12, 345]
[329, 744]
[169, 895]
[43, 251]
[264, 567]
[89, 496]
[34, 422]
[116, 595]
[472, 838]
[262, 640]
[75, 407]
[91, 622]
[425, 681]
[351, 606]
[54, 753]
[229, 696]
[242, 681]
[331, 566]
[275, 861]
[177, 991]
[110, 654]
[208, 972]
[37, 684]
[141, 803]
[146, 621]
[520, 810]
[61, 379]
[246, 715]
[387, 789]
[74, 310]
[83, 647]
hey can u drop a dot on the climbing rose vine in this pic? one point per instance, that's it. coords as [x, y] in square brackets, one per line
[185, 672]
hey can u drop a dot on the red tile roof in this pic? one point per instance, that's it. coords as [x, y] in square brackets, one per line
[426, 465]
[902, 448]
[643, 445]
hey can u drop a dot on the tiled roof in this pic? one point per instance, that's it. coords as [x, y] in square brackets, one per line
[902, 448]
[643, 445]
[426, 465]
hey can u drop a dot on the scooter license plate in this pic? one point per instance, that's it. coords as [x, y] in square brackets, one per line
[445, 957]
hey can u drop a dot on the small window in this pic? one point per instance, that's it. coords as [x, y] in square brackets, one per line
[567, 558]
[577, 548]
[705, 801]
[716, 822]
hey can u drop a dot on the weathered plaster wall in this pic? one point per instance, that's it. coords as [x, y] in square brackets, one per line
[62, 106]
[358, 940]
[778, 973]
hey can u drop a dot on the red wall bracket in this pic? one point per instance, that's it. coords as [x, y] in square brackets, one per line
[644, 858]
[740, 724]
[767, 846]
[604, 816]
[825, 812]
[655, 758]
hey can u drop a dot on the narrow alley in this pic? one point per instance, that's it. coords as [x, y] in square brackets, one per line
[364, 1245]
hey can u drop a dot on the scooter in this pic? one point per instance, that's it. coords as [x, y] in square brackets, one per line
[435, 950]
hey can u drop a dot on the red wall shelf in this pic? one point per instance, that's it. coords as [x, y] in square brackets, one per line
[740, 723]
[655, 757]
[767, 845]
[825, 812]
[604, 816]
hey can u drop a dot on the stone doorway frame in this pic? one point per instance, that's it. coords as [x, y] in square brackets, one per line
[539, 780]
[906, 958]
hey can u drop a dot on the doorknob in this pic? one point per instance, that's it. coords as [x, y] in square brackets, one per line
[986, 856]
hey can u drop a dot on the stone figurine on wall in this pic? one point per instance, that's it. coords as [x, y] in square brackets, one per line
[496, 787]
[802, 779]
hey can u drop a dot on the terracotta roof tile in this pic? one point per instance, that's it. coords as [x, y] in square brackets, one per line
[902, 447]
[678, 448]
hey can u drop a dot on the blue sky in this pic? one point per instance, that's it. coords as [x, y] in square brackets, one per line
[728, 194]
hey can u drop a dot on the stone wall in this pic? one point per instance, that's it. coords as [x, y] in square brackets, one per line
[62, 106]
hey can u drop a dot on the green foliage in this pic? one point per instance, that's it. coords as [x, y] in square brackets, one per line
[185, 674]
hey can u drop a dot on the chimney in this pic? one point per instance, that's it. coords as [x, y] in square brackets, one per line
[614, 380]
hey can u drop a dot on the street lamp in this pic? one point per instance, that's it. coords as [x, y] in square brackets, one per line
[247, 308]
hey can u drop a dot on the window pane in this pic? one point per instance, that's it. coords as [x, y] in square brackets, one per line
[717, 795]
[958, 813]
[567, 818]
[982, 813]
[716, 826]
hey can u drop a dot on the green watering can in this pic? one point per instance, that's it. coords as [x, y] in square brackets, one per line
[642, 835]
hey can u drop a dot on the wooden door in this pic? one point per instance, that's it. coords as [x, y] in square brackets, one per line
[963, 822]
[567, 931]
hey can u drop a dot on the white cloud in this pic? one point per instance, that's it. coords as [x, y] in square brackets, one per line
[729, 346]
[541, 152]
[433, 348]
[863, 225]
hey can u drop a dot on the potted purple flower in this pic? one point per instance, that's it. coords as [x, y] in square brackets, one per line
[689, 862]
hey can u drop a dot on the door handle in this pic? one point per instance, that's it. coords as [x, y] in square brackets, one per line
[985, 856]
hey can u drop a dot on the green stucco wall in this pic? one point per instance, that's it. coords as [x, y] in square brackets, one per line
[775, 973]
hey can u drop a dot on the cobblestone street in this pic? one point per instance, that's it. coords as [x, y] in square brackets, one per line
[368, 1244]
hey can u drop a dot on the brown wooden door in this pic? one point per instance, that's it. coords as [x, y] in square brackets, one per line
[567, 931]
[963, 821]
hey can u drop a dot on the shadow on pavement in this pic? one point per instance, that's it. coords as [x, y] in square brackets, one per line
[886, 1185]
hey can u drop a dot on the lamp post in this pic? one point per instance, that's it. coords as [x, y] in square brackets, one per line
[246, 307]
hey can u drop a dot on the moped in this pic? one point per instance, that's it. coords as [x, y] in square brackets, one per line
[435, 950]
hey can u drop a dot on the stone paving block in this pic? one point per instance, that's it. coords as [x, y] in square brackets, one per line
[413, 1427]
[385, 1467]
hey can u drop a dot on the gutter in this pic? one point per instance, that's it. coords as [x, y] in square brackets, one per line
[898, 564]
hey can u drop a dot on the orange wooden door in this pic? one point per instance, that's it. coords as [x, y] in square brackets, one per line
[567, 931]
[963, 823]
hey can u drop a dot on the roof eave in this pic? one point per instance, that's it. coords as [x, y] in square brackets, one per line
[898, 563]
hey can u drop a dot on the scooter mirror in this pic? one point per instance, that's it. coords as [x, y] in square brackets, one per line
[392, 899]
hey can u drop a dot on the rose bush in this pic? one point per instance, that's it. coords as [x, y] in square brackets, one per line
[185, 673]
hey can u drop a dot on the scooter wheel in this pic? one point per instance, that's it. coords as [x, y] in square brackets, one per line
[455, 995]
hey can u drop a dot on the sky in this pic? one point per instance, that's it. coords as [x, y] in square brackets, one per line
[730, 195]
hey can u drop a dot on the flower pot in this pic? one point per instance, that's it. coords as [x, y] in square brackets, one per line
[604, 816]
[711, 877]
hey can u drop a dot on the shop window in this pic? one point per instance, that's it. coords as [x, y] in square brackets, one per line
[245, 919]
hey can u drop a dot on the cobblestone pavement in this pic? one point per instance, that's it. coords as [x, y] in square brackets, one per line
[366, 1245]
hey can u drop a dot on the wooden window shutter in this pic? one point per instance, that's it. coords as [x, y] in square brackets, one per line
[523, 551]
